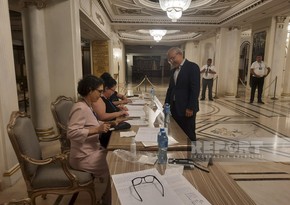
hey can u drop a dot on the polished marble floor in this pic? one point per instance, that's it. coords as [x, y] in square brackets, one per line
[245, 132]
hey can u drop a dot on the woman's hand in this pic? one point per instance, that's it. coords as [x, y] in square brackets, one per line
[122, 107]
[123, 113]
[103, 128]
[126, 100]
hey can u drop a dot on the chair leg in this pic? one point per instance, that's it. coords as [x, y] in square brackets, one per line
[58, 200]
[73, 198]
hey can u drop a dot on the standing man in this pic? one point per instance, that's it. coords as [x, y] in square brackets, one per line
[208, 72]
[183, 91]
[258, 73]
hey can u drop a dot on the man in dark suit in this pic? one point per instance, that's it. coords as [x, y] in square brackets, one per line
[183, 91]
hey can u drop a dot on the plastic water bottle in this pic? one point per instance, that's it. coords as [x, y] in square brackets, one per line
[162, 140]
[166, 115]
[133, 147]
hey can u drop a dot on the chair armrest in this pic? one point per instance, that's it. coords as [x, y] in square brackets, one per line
[59, 158]
[38, 161]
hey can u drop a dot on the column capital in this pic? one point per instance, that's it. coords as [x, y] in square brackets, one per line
[40, 4]
[234, 28]
[195, 43]
[280, 19]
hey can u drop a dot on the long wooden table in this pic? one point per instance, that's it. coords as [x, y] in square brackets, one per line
[117, 142]
[216, 186]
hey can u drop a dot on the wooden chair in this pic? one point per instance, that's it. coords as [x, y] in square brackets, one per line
[44, 176]
[60, 109]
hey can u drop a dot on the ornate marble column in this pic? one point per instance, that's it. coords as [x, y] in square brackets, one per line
[221, 60]
[191, 51]
[278, 56]
[233, 61]
[9, 169]
[286, 82]
[34, 32]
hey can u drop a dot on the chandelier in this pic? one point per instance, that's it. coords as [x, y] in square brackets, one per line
[174, 8]
[157, 34]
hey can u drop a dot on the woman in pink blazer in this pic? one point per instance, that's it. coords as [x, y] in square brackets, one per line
[84, 131]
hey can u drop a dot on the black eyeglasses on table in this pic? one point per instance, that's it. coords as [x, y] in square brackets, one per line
[146, 179]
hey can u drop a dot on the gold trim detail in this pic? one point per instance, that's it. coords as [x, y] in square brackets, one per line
[12, 171]
[40, 4]
[45, 132]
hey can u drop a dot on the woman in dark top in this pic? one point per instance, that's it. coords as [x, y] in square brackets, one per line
[105, 109]
[116, 98]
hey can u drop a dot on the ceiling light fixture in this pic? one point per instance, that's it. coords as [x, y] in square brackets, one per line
[157, 34]
[174, 8]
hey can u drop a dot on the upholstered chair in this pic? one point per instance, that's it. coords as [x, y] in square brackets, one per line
[51, 175]
[60, 109]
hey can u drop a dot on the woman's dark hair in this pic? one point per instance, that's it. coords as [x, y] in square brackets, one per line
[109, 81]
[106, 75]
[88, 84]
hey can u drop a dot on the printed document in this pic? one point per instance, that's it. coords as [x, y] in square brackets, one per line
[177, 190]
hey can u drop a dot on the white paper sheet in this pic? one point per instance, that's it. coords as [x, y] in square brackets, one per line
[137, 102]
[135, 107]
[127, 134]
[147, 134]
[171, 141]
[136, 113]
[185, 191]
[151, 193]
[137, 121]
[177, 190]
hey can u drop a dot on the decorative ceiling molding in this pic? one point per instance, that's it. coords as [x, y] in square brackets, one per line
[128, 16]
[40, 4]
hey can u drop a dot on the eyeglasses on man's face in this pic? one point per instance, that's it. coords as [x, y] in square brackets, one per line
[143, 180]
[172, 58]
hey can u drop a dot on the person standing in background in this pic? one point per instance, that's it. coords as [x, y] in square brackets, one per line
[259, 71]
[208, 72]
[183, 91]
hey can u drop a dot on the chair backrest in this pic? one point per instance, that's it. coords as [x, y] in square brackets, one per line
[60, 109]
[24, 141]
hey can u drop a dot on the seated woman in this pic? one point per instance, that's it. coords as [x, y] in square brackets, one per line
[105, 109]
[84, 130]
[116, 98]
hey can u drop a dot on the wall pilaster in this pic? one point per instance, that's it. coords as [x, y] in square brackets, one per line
[8, 100]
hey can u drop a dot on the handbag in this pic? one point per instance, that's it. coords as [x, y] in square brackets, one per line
[122, 126]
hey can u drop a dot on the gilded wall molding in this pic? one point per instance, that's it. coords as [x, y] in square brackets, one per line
[40, 4]
[11, 171]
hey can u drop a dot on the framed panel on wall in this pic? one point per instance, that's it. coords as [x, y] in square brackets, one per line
[259, 44]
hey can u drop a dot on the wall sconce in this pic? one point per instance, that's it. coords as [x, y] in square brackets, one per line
[117, 52]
